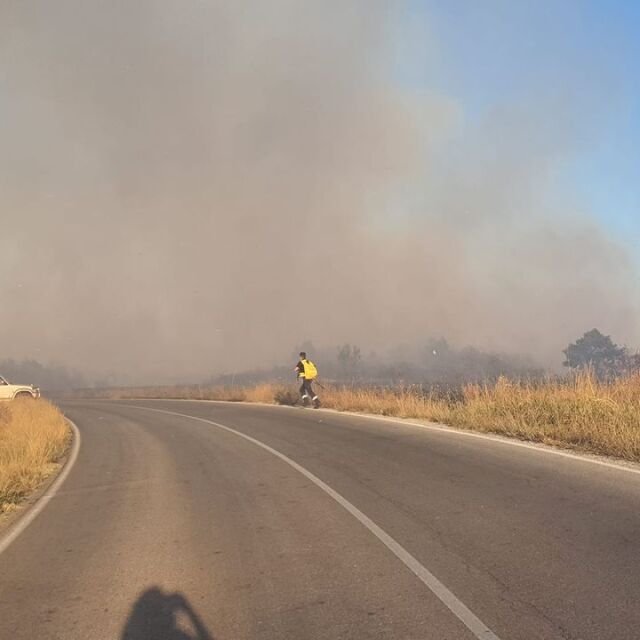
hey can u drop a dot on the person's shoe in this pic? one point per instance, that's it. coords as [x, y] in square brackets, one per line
[316, 402]
[305, 401]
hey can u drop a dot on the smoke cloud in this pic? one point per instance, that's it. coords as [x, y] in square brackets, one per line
[188, 188]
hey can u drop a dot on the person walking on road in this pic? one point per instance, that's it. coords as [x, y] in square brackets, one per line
[307, 372]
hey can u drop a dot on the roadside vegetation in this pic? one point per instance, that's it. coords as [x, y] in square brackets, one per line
[582, 412]
[595, 407]
[33, 438]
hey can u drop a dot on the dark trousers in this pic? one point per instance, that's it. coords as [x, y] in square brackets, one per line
[307, 389]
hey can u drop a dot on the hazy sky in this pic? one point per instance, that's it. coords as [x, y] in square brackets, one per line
[587, 52]
[189, 188]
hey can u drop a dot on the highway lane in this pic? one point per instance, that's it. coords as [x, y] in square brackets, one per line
[172, 528]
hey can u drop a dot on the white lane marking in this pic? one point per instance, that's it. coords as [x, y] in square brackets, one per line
[456, 606]
[42, 502]
[539, 447]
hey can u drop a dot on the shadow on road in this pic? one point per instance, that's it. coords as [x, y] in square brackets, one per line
[157, 615]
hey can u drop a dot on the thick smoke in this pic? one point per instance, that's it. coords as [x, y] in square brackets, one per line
[195, 187]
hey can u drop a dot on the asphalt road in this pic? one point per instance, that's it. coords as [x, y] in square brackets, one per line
[319, 525]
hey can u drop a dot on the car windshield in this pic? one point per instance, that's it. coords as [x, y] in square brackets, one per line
[3, 381]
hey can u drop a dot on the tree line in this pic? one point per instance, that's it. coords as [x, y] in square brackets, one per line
[47, 377]
[436, 364]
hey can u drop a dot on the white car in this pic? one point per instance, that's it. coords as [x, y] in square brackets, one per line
[10, 391]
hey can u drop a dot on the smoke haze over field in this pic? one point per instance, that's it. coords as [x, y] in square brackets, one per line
[199, 186]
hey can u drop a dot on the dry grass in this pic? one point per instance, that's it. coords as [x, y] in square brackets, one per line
[583, 413]
[33, 438]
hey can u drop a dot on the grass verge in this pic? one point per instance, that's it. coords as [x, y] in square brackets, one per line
[33, 438]
[582, 413]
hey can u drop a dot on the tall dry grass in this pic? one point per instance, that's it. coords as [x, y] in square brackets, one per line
[581, 413]
[33, 437]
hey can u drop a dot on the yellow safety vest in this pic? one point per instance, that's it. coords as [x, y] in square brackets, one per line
[310, 371]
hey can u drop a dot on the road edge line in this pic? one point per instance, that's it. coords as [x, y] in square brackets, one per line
[34, 510]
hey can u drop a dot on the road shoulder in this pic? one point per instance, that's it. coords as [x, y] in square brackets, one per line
[12, 523]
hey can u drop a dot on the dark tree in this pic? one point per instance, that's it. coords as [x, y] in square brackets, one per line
[597, 351]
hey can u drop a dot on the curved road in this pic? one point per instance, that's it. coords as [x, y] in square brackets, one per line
[282, 523]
